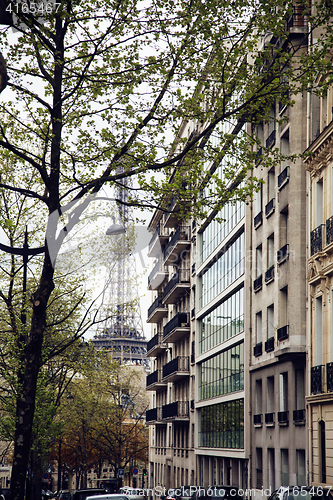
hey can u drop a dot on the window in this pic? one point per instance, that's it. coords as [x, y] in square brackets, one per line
[259, 260]
[271, 468]
[258, 396]
[319, 330]
[259, 468]
[283, 227]
[284, 148]
[299, 392]
[258, 200]
[322, 452]
[271, 185]
[270, 321]
[300, 468]
[284, 467]
[259, 327]
[284, 391]
[270, 395]
[283, 319]
[319, 203]
[270, 251]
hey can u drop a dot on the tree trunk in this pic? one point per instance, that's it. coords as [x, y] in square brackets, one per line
[25, 404]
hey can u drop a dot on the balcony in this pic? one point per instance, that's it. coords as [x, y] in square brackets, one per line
[297, 22]
[257, 220]
[299, 417]
[270, 141]
[157, 311]
[177, 286]
[257, 350]
[155, 345]
[283, 418]
[177, 327]
[316, 238]
[176, 369]
[171, 214]
[283, 333]
[329, 231]
[193, 352]
[283, 178]
[157, 276]
[283, 254]
[154, 415]
[179, 410]
[257, 420]
[257, 284]
[178, 243]
[159, 238]
[317, 379]
[154, 381]
[329, 377]
[269, 275]
[269, 344]
[270, 419]
[270, 208]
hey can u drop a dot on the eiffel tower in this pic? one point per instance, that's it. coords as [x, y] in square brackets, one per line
[122, 331]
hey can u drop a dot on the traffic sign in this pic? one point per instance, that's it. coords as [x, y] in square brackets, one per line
[135, 471]
[121, 472]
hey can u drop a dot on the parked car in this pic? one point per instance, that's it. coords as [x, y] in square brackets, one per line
[88, 492]
[301, 493]
[63, 495]
[5, 492]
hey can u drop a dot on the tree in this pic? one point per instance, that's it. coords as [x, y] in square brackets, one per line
[102, 420]
[104, 86]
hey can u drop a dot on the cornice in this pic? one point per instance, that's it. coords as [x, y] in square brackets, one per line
[321, 152]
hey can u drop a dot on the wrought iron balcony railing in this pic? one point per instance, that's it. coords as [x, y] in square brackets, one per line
[283, 178]
[283, 254]
[316, 239]
[329, 377]
[283, 333]
[257, 284]
[269, 344]
[257, 350]
[317, 379]
[329, 230]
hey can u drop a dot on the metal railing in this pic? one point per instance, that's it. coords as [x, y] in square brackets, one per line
[257, 419]
[283, 253]
[156, 304]
[329, 377]
[270, 207]
[257, 220]
[178, 364]
[154, 377]
[317, 379]
[269, 418]
[329, 230]
[269, 344]
[155, 341]
[283, 417]
[269, 274]
[257, 284]
[176, 409]
[316, 239]
[181, 319]
[154, 414]
[181, 276]
[257, 350]
[283, 333]
[159, 231]
[283, 177]
[299, 415]
[182, 233]
[270, 141]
